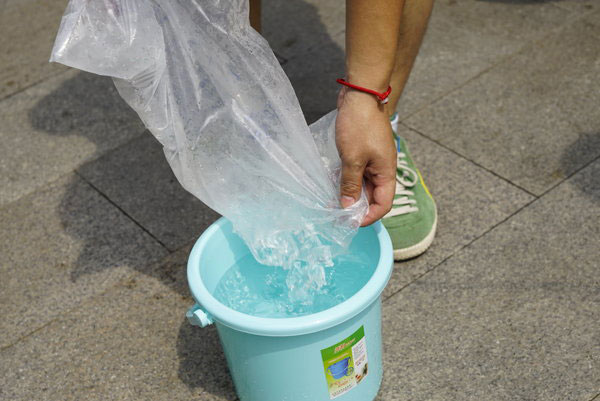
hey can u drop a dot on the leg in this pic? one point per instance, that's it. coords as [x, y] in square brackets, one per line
[412, 221]
[412, 29]
[255, 15]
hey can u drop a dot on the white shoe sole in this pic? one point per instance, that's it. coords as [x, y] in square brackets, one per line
[419, 248]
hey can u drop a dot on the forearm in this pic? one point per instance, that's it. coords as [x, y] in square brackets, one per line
[372, 28]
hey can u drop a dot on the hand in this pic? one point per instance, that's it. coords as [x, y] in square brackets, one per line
[366, 146]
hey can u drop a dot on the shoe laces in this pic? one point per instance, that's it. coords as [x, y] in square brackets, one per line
[406, 178]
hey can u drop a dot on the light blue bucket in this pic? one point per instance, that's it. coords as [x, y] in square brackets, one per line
[277, 359]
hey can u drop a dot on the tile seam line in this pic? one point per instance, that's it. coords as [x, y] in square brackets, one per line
[464, 157]
[562, 7]
[590, 162]
[68, 311]
[122, 211]
[495, 63]
[450, 91]
[535, 199]
[597, 396]
[36, 83]
[454, 253]
[66, 174]
[124, 279]
[32, 332]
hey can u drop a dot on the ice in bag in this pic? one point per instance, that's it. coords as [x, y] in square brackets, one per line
[209, 88]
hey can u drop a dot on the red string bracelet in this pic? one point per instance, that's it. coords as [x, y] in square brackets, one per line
[382, 96]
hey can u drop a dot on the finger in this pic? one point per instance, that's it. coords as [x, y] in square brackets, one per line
[351, 184]
[383, 196]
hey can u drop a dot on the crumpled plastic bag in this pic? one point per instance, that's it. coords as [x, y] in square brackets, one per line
[210, 89]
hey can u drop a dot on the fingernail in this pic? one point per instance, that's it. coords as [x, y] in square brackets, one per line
[347, 201]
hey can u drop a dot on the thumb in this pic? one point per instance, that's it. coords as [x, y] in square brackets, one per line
[351, 184]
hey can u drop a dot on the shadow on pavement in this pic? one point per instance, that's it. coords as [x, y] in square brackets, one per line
[84, 101]
[202, 362]
[90, 107]
[572, 156]
[135, 173]
[320, 60]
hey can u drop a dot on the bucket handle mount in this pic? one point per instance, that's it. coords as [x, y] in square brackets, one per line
[198, 317]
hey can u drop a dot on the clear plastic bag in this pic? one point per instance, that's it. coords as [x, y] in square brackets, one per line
[211, 91]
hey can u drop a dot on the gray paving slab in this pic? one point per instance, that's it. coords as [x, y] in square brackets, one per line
[465, 38]
[138, 179]
[470, 201]
[130, 343]
[27, 31]
[512, 317]
[532, 119]
[59, 246]
[53, 127]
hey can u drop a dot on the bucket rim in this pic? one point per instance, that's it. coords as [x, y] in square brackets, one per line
[297, 325]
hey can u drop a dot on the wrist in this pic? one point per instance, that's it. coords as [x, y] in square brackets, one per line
[371, 81]
[366, 99]
[373, 76]
[381, 97]
[362, 102]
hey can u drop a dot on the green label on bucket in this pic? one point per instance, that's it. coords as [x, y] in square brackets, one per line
[345, 363]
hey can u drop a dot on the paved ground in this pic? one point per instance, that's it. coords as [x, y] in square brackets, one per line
[502, 115]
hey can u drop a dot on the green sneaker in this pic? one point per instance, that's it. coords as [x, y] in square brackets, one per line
[412, 220]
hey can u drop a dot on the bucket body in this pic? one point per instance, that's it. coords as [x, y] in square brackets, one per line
[291, 368]
[333, 354]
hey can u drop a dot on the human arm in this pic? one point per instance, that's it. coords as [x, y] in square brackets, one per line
[363, 133]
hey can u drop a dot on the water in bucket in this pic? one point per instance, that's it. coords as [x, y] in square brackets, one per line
[255, 289]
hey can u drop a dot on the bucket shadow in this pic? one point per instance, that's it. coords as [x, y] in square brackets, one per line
[202, 363]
